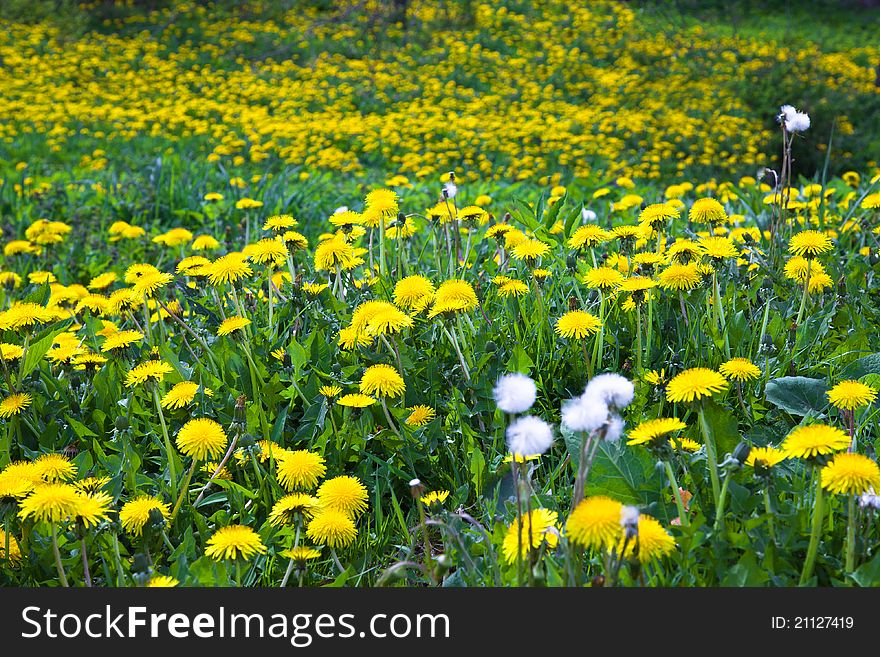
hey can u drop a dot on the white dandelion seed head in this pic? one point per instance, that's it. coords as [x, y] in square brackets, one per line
[414, 482]
[615, 429]
[799, 123]
[340, 209]
[613, 389]
[588, 215]
[629, 516]
[515, 393]
[450, 189]
[794, 121]
[529, 436]
[869, 500]
[584, 413]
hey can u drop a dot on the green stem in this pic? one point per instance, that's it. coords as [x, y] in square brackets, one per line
[719, 514]
[673, 482]
[818, 514]
[851, 534]
[58, 565]
[172, 469]
[183, 490]
[800, 314]
[710, 456]
[769, 511]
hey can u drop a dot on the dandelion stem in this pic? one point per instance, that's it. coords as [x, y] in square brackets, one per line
[851, 534]
[769, 511]
[676, 493]
[818, 515]
[87, 578]
[719, 513]
[710, 455]
[58, 565]
[183, 490]
[800, 315]
[169, 454]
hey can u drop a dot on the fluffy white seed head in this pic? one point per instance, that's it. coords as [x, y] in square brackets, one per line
[584, 413]
[613, 389]
[515, 393]
[794, 121]
[529, 436]
[615, 429]
[588, 215]
[450, 189]
[869, 500]
[629, 516]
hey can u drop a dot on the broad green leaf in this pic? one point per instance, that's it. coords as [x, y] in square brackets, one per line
[868, 574]
[38, 348]
[620, 472]
[867, 365]
[797, 395]
[722, 425]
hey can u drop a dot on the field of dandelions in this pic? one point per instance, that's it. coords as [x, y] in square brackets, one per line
[494, 306]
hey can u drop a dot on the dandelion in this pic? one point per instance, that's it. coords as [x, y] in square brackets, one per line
[679, 277]
[850, 395]
[811, 440]
[654, 431]
[291, 508]
[232, 324]
[50, 503]
[332, 528]
[14, 404]
[434, 497]
[54, 468]
[809, 244]
[653, 541]
[420, 416]
[150, 371]
[740, 369]
[202, 438]
[234, 542]
[615, 390]
[345, 494]
[528, 436]
[695, 384]
[299, 469]
[382, 380]
[577, 324]
[356, 400]
[707, 211]
[515, 393]
[183, 393]
[595, 523]
[162, 581]
[523, 536]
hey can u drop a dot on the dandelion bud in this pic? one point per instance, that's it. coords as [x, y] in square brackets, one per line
[246, 440]
[598, 580]
[121, 423]
[741, 453]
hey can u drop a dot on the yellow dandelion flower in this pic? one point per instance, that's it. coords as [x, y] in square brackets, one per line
[234, 542]
[694, 384]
